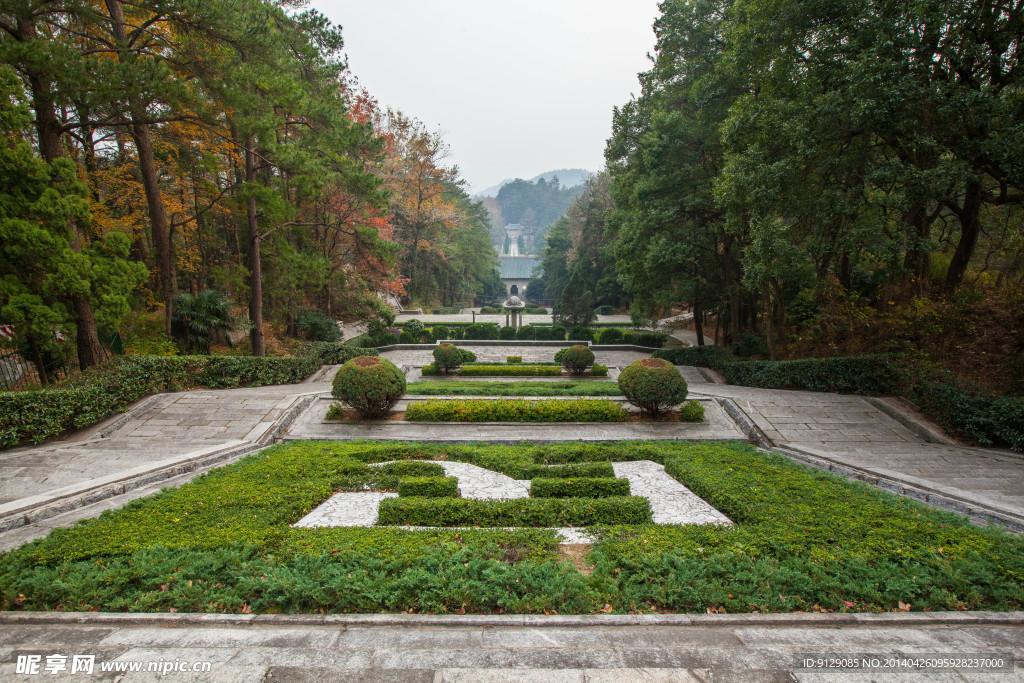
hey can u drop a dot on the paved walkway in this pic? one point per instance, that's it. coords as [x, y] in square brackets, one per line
[541, 649]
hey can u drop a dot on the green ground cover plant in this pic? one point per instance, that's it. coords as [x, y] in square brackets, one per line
[412, 468]
[522, 512]
[85, 399]
[587, 487]
[429, 487]
[525, 388]
[577, 470]
[516, 410]
[802, 540]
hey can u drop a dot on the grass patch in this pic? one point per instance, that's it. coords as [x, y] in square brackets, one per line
[804, 540]
[527, 388]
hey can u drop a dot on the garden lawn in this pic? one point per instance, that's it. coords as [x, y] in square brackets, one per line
[522, 388]
[803, 541]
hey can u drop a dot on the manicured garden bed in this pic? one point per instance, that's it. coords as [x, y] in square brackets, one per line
[527, 388]
[511, 370]
[802, 541]
[516, 410]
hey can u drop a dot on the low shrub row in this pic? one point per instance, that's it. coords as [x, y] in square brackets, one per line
[578, 470]
[412, 468]
[429, 487]
[516, 410]
[523, 512]
[511, 371]
[590, 487]
[34, 416]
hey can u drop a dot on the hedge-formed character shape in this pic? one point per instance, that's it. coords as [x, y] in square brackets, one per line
[575, 359]
[653, 385]
[369, 384]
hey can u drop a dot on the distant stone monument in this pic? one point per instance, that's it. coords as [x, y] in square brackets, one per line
[514, 312]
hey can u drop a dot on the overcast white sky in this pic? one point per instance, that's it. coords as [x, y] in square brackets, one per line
[518, 87]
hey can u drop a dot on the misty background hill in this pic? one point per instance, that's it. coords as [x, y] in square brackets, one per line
[534, 204]
[567, 177]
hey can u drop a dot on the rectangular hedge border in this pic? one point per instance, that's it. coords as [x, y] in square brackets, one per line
[516, 410]
[522, 512]
[589, 487]
[34, 416]
[573, 470]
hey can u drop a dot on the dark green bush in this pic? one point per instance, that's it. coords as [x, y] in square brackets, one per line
[526, 332]
[714, 357]
[482, 331]
[413, 327]
[370, 385]
[510, 371]
[581, 333]
[573, 470]
[516, 410]
[513, 360]
[609, 335]
[651, 340]
[871, 375]
[317, 325]
[88, 398]
[576, 359]
[653, 385]
[603, 310]
[507, 332]
[523, 512]
[448, 357]
[598, 370]
[406, 338]
[441, 332]
[412, 468]
[692, 411]
[429, 487]
[591, 487]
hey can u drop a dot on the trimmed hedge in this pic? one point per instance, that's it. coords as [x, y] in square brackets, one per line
[516, 410]
[513, 388]
[429, 487]
[370, 385]
[713, 357]
[34, 416]
[578, 470]
[334, 353]
[871, 375]
[513, 360]
[590, 487]
[482, 331]
[609, 335]
[653, 385]
[510, 371]
[412, 468]
[576, 359]
[522, 512]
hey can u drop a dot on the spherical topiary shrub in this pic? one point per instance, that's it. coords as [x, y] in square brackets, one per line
[575, 359]
[653, 385]
[448, 357]
[369, 384]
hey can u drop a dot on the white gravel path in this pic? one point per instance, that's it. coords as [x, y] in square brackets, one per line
[671, 502]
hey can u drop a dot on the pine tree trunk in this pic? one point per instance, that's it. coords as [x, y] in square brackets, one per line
[90, 352]
[150, 176]
[255, 268]
[970, 228]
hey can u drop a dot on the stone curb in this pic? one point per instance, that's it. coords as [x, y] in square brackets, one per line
[804, 620]
[744, 422]
[977, 512]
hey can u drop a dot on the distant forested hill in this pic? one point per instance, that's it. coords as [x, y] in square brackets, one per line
[567, 177]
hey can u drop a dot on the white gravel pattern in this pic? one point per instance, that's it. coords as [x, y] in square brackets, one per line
[671, 502]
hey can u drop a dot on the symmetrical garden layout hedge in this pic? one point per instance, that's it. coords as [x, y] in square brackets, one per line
[802, 541]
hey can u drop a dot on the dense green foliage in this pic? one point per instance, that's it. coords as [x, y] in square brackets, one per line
[817, 541]
[370, 385]
[534, 205]
[582, 470]
[653, 385]
[522, 512]
[412, 468]
[691, 411]
[575, 359]
[499, 371]
[448, 357]
[43, 414]
[525, 388]
[516, 410]
[589, 487]
[429, 487]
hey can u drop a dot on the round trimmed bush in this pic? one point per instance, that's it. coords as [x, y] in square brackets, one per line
[448, 357]
[581, 333]
[609, 335]
[441, 332]
[652, 385]
[575, 359]
[370, 384]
